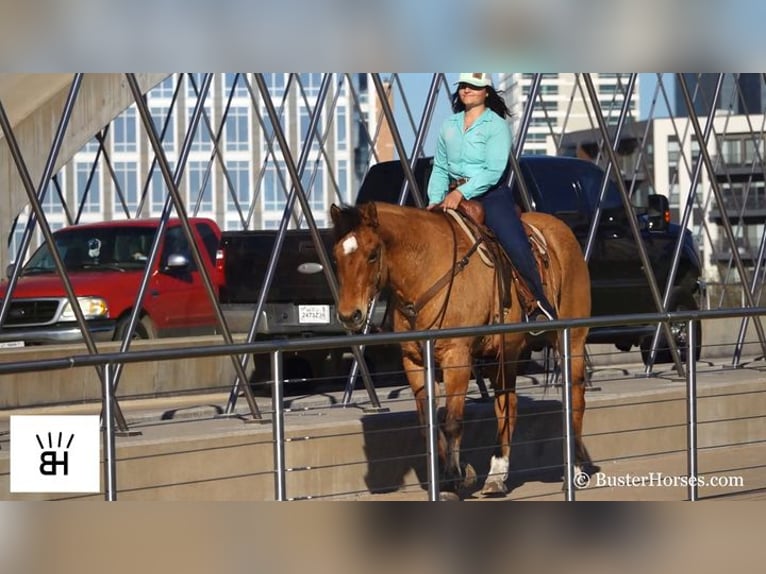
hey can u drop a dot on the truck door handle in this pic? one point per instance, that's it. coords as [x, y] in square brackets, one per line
[154, 293]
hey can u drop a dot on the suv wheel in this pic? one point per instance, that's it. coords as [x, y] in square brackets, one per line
[680, 333]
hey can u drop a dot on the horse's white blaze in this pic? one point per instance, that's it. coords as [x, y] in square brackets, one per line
[349, 244]
[499, 467]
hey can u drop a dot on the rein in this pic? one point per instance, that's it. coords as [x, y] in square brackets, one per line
[411, 309]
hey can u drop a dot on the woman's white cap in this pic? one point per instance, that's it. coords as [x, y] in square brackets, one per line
[475, 79]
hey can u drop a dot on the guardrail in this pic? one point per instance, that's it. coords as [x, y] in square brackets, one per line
[278, 348]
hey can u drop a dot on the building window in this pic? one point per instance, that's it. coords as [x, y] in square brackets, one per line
[313, 186]
[275, 83]
[240, 91]
[343, 183]
[200, 186]
[341, 129]
[753, 151]
[202, 140]
[731, 150]
[158, 192]
[166, 89]
[91, 146]
[52, 203]
[159, 119]
[88, 188]
[126, 182]
[239, 174]
[272, 192]
[674, 152]
[124, 131]
[194, 86]
[305, 123]
[237, 131]
[311, 83]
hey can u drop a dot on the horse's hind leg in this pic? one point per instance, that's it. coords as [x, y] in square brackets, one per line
[582, 458]
[506, 404]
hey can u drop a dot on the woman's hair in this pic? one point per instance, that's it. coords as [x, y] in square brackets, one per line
[494, 102]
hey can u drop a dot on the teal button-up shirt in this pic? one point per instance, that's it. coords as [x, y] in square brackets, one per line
[479, 154]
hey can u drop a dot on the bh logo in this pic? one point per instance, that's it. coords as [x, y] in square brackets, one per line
[55, 453]
[49, 460]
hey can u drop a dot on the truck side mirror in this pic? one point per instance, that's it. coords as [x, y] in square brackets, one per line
[177, 262]
[658, 212]
[9, 270]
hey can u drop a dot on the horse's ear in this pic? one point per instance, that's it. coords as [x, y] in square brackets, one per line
[335, 214]
[369, 214]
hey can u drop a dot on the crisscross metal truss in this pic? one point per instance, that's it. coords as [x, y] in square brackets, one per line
[274, 150]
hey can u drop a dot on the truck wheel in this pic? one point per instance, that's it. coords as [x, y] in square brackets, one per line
[144, 329]
[685, 302]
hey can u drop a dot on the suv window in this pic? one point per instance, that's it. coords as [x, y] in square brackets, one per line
[592, 179]
[563, 195]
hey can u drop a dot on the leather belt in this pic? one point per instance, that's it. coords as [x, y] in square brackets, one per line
[455, 183]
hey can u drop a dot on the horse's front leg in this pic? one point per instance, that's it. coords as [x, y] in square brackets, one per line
[413, 369]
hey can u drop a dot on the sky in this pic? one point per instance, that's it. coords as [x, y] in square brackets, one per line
[416, 87]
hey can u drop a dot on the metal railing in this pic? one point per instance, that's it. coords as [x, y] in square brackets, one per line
[278, 348]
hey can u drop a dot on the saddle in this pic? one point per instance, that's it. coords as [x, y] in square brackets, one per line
[474, 212]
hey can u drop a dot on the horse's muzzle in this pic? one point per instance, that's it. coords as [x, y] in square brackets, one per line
[352, 322]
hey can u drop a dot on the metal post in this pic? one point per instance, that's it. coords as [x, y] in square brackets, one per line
[432, 441]
[691, 414]
[566, 400]
[110, 463]
[277, 402]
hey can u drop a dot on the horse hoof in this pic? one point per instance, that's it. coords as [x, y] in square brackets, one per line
[469, 477]
[494, 488]
[448, 496]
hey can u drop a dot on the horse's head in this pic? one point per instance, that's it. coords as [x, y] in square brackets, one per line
[358, 253]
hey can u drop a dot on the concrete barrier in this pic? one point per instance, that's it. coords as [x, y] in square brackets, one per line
[160, 378]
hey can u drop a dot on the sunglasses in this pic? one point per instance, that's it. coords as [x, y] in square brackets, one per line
[463, 85]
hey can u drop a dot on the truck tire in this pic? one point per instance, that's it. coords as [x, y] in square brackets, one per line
[144, 329]
[684, 302]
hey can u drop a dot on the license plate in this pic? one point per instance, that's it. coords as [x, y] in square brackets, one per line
[314, 314]
[12, 345]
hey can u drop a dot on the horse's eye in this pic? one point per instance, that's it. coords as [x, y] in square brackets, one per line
[373, 256]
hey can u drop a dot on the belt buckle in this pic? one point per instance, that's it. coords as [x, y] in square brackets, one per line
[454, 184]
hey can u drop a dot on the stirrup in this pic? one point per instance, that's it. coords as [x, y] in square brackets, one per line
[541, 314]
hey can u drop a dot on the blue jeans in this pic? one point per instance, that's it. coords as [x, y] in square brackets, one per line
[501, 217]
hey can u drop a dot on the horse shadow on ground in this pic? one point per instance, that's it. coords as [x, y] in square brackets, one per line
[395, 445]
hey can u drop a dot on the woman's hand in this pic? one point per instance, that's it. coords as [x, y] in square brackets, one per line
[452, 199]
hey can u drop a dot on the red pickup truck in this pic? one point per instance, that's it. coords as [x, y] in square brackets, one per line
[105, 263]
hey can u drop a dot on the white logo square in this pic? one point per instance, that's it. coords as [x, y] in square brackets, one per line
[55, 453]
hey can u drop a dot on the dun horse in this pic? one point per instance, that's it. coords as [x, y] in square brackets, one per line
[409, 249]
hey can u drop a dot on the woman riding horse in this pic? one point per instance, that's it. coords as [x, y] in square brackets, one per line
[471, 157]
[413, 251]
